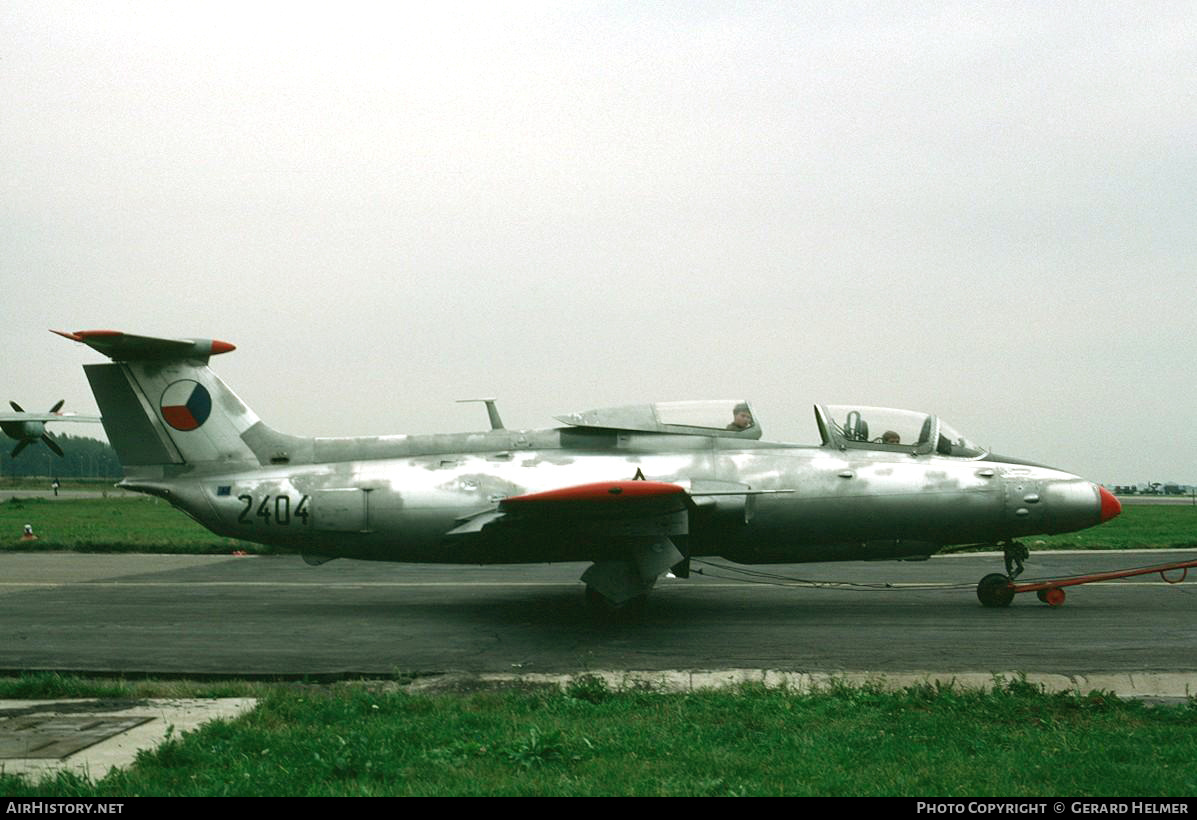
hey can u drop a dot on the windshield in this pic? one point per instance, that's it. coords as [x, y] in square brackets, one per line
[880, 425]
[951, 443]
[886, 428]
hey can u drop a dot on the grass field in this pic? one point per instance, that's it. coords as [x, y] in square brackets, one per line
[587, 740]
[1139, 526]
[125, 524]
[140, 524]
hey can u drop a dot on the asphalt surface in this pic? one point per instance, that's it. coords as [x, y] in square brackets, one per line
[249, 616]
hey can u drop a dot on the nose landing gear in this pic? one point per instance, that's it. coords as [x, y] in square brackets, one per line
[997, 590]
[1015, 552]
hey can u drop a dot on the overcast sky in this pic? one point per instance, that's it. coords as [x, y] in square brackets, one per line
[983, 210]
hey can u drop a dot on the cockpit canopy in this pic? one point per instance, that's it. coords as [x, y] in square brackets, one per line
[884, 428]
[714, 417]
[841, 425]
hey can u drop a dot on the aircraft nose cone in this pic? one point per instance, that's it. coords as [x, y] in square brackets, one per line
[1110, 506]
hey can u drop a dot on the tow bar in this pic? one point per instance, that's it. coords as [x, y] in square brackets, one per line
[997, 590]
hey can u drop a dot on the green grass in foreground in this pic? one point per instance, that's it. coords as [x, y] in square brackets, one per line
[138, 524]
[587, 740]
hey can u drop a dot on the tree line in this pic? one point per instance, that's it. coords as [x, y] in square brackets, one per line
[82, 458]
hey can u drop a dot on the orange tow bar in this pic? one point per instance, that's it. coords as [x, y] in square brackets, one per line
[997, 590]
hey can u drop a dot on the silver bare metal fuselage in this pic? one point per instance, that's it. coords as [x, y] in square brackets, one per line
[401, 498]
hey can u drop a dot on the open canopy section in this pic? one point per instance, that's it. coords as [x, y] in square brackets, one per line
[712, 417]
[886, 428]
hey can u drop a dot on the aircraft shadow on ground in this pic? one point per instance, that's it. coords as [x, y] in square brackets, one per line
[562, 608]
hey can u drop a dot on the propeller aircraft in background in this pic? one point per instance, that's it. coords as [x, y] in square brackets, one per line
[30, 428]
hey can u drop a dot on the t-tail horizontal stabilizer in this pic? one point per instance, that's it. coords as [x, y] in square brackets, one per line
[162, 405]
[125, 347]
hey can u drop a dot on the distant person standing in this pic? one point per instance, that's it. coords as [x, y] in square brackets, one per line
[54, 487]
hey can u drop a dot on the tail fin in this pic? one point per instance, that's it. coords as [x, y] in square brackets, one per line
[161, 405]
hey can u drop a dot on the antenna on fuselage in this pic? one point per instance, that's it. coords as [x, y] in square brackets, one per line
[496, 423]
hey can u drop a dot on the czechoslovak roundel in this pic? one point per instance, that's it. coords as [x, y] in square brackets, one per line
[186, 405]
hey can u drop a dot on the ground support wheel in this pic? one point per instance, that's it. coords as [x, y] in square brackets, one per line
[1052, 597]
[995, 590]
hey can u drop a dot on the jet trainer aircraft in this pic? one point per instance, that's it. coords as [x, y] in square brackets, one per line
[30, 428]
[637, 490]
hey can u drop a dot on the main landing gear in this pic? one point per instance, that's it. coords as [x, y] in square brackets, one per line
[619, 587]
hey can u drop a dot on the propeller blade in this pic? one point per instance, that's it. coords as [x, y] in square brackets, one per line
[58, 406]
[21, 445]
[16, 406]
[52, 444]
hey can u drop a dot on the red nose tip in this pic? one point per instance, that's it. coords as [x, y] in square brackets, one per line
[1110, 506]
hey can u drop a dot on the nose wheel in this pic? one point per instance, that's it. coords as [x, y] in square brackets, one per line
[995, 590]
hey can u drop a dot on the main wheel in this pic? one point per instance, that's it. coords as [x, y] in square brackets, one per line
[995, 590]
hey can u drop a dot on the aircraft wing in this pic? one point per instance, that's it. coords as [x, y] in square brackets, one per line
[640, 516]
[612, 508]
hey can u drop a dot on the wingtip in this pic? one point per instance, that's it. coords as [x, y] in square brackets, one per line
[74, 337]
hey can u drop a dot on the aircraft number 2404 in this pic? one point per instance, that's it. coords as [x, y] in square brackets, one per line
[279, 512]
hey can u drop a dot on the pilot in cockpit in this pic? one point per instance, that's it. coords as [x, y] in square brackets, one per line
[741, 418]
[890, 437]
